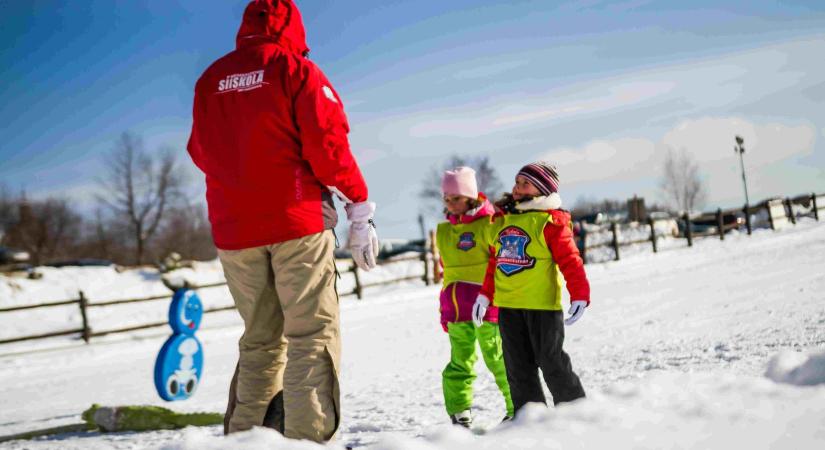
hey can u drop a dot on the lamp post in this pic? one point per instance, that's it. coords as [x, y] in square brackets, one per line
[740, 149]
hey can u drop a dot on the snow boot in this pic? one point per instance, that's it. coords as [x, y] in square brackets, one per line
[464, 418]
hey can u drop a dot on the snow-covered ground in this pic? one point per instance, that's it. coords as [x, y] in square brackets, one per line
[717, 346]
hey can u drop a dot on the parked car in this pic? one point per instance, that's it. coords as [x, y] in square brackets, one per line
[81, 262]
[11, 256]
[708, 224]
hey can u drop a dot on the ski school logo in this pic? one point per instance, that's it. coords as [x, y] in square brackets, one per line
[512, 257]
[466, 241]
[242, 81]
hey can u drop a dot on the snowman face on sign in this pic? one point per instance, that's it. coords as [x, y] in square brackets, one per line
[185, 312]
[178, 367]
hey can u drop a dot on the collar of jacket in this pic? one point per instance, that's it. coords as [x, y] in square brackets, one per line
[485, 209]
[273, 21]
[542, 203]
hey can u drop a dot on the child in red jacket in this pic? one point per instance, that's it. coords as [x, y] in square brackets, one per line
[532, 246]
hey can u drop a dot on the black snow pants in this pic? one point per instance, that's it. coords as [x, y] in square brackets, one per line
[532, 340]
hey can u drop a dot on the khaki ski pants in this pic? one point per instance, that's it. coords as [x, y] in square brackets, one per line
[291, 344]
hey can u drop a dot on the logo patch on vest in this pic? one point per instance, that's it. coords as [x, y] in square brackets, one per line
[512, 257]
[466, 241]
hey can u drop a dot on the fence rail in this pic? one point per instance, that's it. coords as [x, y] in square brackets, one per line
[778, 211]
[86, 332]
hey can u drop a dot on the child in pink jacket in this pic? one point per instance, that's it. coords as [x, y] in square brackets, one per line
[465, 262]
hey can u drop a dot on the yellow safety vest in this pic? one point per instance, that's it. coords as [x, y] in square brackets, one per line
[465, 257]
[526, 275]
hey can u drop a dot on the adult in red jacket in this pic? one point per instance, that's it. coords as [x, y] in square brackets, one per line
[270, 134]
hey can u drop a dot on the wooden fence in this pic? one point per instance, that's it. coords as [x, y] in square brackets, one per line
[779, 212]
[86, 332]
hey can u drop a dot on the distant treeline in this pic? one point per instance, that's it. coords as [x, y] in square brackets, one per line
[141, 217]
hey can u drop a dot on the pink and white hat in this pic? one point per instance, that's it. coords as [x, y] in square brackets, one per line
[460, 181]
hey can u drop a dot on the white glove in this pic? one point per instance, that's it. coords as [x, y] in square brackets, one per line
[576, 311]
[363, 242]
[479, 309]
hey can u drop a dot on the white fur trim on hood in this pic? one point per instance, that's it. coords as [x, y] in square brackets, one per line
[542, 203]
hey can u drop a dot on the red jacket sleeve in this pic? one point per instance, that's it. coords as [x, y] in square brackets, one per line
[560, 240]
[194, 146]
[323, 129]
[488, 288]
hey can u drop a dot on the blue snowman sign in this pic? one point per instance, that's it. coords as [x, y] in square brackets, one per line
[179, 365]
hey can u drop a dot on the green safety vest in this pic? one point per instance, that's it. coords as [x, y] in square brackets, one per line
[464, 255]
[526, 275]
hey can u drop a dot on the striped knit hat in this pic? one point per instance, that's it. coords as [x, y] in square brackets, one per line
[542, 175]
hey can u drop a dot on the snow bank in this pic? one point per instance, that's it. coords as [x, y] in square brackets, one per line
[255, 439]
[696, 411]
[672, 353]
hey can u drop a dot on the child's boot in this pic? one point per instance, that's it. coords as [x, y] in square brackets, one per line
[464, 418]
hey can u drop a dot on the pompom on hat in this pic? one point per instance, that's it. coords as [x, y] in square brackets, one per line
[542, 175]
[460, 181]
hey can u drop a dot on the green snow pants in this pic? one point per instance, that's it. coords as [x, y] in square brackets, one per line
[458, 376]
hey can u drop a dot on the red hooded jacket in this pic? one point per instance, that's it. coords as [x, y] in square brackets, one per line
[270, 133]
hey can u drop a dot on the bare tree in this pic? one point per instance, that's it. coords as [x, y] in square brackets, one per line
[139, 188]
[8, 211]
[187, 232]
[486, 178]
[681, 182]
[45, 229]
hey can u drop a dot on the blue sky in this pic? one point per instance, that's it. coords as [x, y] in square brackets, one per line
[600, 88]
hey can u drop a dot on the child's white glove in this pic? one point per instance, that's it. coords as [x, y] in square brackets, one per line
[480, 309]
[363, 242]
[576, 311]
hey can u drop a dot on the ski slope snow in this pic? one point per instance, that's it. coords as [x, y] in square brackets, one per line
[718, 346]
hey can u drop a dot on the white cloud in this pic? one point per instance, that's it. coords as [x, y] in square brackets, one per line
[501, 117]
[697, 86]
[712, 139]
[603, 159]
[771, 152]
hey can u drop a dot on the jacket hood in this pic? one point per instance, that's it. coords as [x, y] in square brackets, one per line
[485, 209]
[276, 21]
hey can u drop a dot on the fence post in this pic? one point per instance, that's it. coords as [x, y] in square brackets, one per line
[615, 240]
[426, 260]
[813, 203]
[436, 258]
[358, 289]
[720, 224]
[86, 333]
[652, 234]
[688, 230]
[747, 212]
[583, 233]
[791, 215]
[770, 216]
